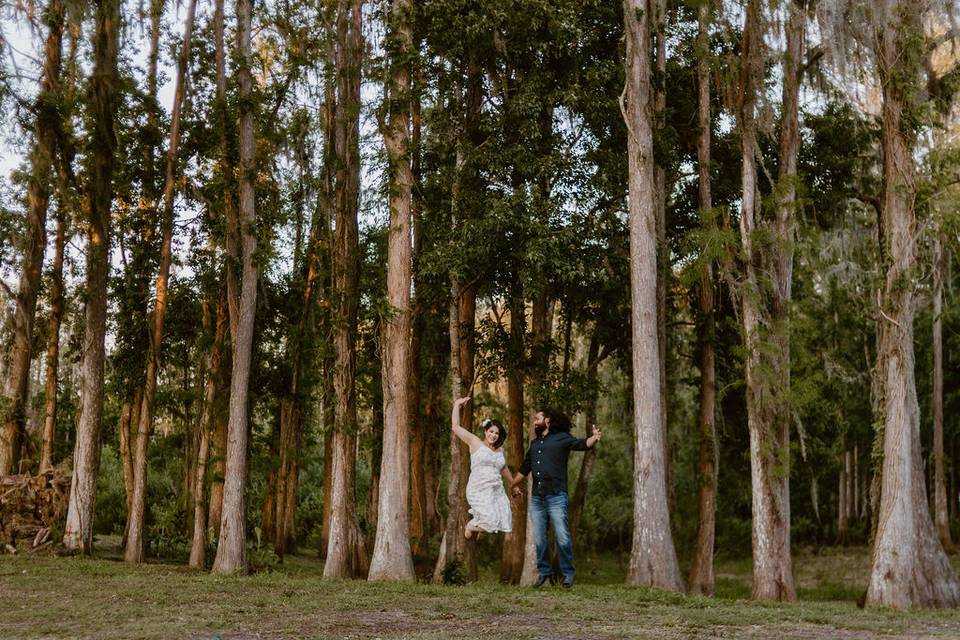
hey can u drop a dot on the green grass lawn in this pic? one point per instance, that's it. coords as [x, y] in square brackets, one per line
[77, 597]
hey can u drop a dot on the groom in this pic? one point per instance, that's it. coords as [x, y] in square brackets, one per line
[547, 459]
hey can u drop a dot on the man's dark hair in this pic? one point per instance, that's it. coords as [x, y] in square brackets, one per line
[558, 420]
[501, 431]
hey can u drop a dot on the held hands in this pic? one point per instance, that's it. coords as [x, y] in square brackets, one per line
[596, 433]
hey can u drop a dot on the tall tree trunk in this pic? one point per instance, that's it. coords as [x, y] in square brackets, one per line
[843, 512]
[701, 578]
[910, 567]
[134, 548]
[78, 531]
[53, 343]
[765, 309]
[658, 10]
[939, 482]
[213, 386]
[462, 317]
[14, 405]
[579, 500]
[346, 555]
[231, 550]
[418, 425]
[511, 564]
[653, 559]
[392, 559]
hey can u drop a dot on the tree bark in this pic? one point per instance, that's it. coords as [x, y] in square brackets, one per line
[53, 344]
[231, 550]
[941, 517]
[843, 512]
[346, 554]
[15, 403]
[78, 531]
[909, 566]
[392, 559]
[135, 533]
[511, 564]
[701, 578]
[208, 421]
[653, 559]
[418, 425]
[765, 308]
[579, 501]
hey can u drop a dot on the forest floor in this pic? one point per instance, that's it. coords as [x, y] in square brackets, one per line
[78, 597]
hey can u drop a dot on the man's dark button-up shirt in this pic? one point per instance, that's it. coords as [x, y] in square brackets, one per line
[547, 458]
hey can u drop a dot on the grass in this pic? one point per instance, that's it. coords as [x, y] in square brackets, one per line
[78, 597]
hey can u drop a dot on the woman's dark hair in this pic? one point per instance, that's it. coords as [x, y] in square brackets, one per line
[501, 430]
[558, 420]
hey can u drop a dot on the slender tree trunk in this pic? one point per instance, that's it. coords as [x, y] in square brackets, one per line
[941, 517]
[910, 567]
[14, 406]
[653, 559]
[78, 531]
[135, 532]
[579, 501]
[855, 513]
[701, 578]
[659, 96]
[346, 554]
[212, 388]
[231, 550]
[843, 528]
[53, 344]
[418, 425]
[511, 565]
[218, 444]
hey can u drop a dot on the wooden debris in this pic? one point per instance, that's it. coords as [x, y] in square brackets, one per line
[31, 505]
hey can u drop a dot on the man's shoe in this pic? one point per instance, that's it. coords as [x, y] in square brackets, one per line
[541, 580]
[567, 582]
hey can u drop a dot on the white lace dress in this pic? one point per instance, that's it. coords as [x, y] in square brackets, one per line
[488, 501]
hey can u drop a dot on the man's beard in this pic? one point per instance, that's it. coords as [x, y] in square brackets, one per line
[539, 429]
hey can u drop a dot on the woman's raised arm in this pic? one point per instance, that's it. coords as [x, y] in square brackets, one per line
[468, 438]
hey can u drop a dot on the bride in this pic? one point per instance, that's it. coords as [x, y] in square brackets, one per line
[488, 501]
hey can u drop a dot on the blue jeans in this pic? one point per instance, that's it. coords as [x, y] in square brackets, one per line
[553, 508]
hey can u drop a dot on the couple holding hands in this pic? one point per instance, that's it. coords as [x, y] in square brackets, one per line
[546, 459]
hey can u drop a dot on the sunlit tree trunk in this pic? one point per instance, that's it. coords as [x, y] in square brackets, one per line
[909, 567]
[13, 406]
[392, 559]
[134, 549]
[653, 559]
[346, 554]
[231, 550]
[78, 531]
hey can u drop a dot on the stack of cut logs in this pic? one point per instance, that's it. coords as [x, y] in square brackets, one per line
[30, 506]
